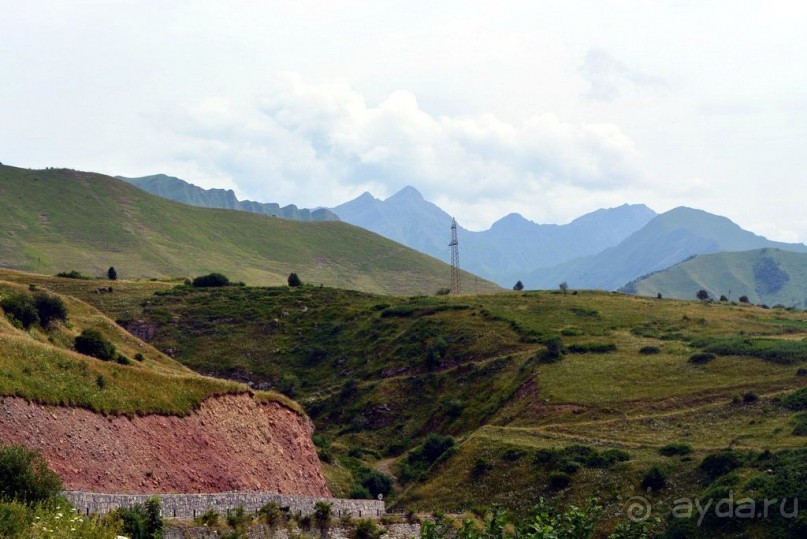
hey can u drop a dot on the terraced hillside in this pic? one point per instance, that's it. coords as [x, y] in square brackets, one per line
[59, 220]
[506, 398]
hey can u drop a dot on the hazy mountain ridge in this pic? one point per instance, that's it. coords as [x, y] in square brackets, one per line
[181, 191]
[512, 246]
[665, 241]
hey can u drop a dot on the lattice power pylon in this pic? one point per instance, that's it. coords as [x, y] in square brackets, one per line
[455, 259]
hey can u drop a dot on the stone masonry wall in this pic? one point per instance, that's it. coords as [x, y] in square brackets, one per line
[189, 506]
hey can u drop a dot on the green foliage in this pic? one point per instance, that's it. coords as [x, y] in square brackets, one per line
[366, 529]
[294, 280]
[649, 350]
[591, 348]
[271, 514]
[25, 476]
[73, 274]
[21, 308]
[719, 464]
[701, 358]
[769, 277]
[553, 351]
[702, 295]
[211, 280]
[797, 400]
[238, 519]
[142, 521]
[671, 450]
[519, 286]
[322, 515]
[654, 479]
[50, 308]
[15, 519]
[112, 274]
[744, 299]
[481, 467]
[92, 343]
[781, 351]
[419, 460]
[559, 480]
[374, 482]
[208, 518]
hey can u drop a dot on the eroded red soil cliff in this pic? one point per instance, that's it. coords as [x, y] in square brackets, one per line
[229, 443]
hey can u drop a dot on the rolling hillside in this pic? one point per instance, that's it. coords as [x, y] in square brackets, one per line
[182, 191]
[379, 376]
[769, 276]
[58, 220]
[665, 241]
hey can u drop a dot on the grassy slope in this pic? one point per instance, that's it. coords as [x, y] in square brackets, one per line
[724, 273]
[366, 373]
[58, 220]
[39, 366]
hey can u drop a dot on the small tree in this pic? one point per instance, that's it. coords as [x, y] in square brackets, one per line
[518, 286]
[294, 280]
[49, 308]
[21, 308]
[92, 343]
[111, 274]
[25, 476]
[744, 299]
[702, 295]
[564, 287]
[211, 280]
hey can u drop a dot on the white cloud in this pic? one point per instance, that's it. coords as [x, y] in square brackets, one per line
[317, 143]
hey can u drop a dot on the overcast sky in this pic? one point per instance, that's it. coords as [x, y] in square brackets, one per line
[546, 108]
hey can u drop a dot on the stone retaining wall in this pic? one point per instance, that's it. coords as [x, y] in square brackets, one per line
[391, 531]
[189, 506]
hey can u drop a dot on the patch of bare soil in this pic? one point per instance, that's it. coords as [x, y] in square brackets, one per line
[230, 443]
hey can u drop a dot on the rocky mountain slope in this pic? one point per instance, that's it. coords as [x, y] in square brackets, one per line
[181, 191]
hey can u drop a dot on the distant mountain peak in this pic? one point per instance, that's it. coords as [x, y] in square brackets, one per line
[407, 193]
[512, 220]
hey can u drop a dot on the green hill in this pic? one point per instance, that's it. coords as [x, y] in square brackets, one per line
[59, 220]
[379, 375]
[765, 276]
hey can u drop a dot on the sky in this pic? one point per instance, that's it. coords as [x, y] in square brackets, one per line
[546, 108]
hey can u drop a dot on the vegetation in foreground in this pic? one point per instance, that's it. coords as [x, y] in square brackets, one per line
[456, 403]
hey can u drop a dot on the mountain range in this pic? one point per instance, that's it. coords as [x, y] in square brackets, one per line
[504, 253]
[181, 191]
[604, 249]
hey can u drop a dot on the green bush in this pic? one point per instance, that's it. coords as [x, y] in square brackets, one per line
[591, 348]
[20, 307]
[271, 514]
[238, 519]
[294, 280]
[701, 358]
[375, 482]
[211, 280]
[112, 274]
[92, 343]
[73, 274]
[208, 518]
[719, 464]
[654, 479]
[797, 400]
[649, 350]
[14, 520]
[322, 515]
[366, 529]
[553, 352]
[49, 308]
[559, 480]
[672, 450]
[25, 476]
[142, 521]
